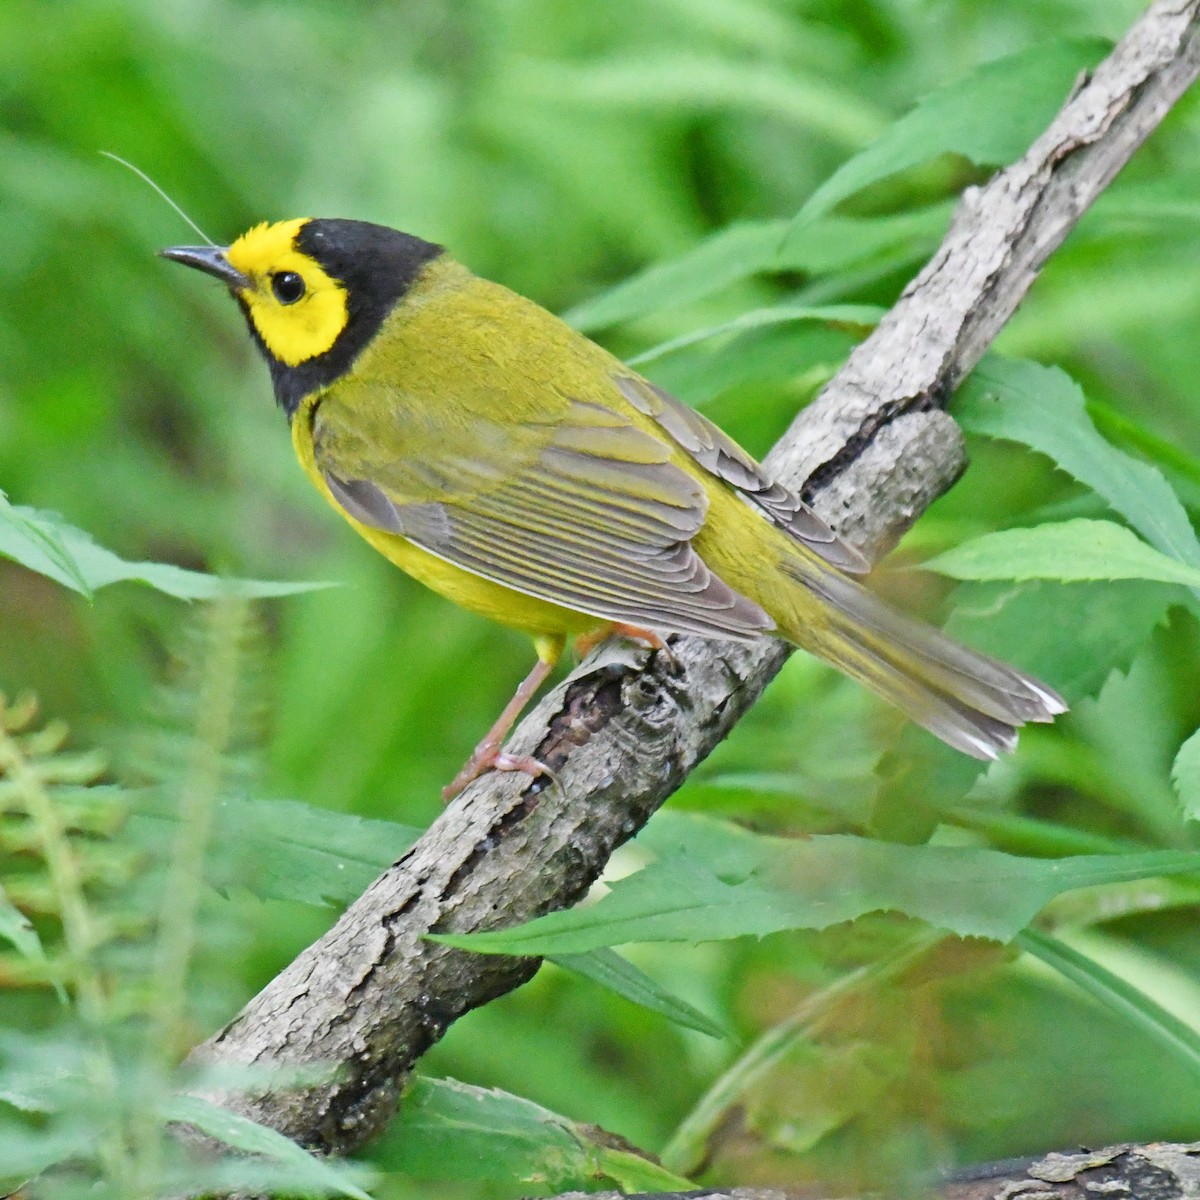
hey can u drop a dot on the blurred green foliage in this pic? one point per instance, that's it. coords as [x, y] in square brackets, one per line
[561, 149]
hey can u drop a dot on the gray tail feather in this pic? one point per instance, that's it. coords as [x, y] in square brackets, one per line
[972, 702]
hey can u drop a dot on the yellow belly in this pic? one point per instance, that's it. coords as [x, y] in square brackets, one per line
[538, 618]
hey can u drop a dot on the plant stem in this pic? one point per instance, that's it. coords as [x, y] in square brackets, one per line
[1180, 1040]
[688, 1148]
[216, 713]
[80, 932]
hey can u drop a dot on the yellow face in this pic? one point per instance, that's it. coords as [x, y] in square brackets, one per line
[297, 308]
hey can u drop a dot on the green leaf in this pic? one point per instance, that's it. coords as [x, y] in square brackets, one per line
[240, 1133]
[756, 247]
[780, 314]
[836, 243]
[15, 928]
[713, 880]
[1181, 1041]
[1117, 901]
[35, 540]
[1070, 551]
[683, 80]
[448, 1129]
[800, 1030]
[1148, 203]
[1043, 408]
[607, 968]
[807, 352]
[1130, 733]
[1121, 428]
[634, 1173]
[990, 118]
[286, 850]
[1072, 635]
[45, 543]
[1185, 774]
[735, 253]
[26, 1152]
[40, 1071]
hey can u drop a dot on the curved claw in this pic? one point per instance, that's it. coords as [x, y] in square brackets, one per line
[487, 754]
[587, 642]
[489, 758]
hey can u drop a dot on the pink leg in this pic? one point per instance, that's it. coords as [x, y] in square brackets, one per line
[587, 642]
[486, 756]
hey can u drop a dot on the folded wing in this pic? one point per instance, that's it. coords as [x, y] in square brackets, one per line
[598, 519]
[722, 457]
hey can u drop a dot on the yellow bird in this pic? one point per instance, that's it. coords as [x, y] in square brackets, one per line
[514, 466]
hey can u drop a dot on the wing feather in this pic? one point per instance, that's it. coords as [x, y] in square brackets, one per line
[598, 520]
[720, 455]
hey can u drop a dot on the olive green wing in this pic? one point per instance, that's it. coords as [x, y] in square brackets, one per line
[584, 511]
[723, 458]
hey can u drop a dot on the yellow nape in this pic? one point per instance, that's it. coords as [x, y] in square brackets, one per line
[297, 331]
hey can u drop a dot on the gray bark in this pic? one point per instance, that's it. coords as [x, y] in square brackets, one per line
[1159, 1171]
[623, 732]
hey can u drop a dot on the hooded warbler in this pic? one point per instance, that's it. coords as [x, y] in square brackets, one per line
[514, 466]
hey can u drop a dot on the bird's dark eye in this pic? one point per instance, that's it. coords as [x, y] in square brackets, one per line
[288, 286]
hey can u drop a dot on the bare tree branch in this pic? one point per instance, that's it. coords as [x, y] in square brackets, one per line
[1160, 1169]
[622, 734]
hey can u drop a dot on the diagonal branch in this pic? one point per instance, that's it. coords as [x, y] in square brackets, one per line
[875, 449]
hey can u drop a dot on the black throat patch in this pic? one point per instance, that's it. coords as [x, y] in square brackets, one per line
[377, 266]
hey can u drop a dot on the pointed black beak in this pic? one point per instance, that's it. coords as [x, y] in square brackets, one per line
[211, 260]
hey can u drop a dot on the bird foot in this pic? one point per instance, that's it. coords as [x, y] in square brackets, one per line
[487, 757]
[587, 642]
